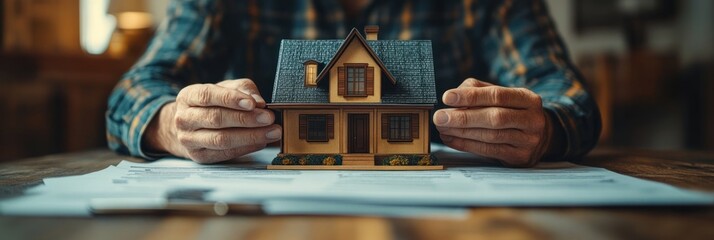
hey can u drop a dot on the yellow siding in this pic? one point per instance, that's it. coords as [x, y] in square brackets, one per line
[417, 146]
[378, 146]
[356, 53]
[294, 145]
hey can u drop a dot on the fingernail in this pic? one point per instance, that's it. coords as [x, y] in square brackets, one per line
[246, 104]
[257, 98]
[451, 98]
[264, 118]
[441, 118]
[446, 138]
[274, 134]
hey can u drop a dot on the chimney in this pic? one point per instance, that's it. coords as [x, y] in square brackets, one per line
[371, 31]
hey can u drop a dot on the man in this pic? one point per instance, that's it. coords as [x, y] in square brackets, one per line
[176, 99]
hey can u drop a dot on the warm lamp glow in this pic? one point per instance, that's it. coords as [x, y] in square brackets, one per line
[95, 26]
[134, 20]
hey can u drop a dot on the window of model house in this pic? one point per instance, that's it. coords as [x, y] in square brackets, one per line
[310, 73]
[400, 127]
[316, 127]
[356, 80]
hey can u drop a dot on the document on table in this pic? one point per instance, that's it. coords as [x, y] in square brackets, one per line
[391, 193]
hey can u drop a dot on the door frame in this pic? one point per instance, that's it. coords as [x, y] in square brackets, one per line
[367, 132]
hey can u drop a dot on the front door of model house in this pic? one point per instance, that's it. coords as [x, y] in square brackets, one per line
[358, 133]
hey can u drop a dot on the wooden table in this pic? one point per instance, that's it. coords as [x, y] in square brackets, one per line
[693, 170]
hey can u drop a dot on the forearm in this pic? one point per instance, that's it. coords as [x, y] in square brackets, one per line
[172, 61]
[132, 106]
[525, 50]
[160, 135]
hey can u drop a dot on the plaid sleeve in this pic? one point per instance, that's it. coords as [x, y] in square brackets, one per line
[187, 48]
[525, 50]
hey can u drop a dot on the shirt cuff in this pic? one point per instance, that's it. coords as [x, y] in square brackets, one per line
[141, 122]
[560, 140]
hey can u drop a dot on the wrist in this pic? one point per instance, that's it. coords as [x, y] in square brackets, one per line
[160, 137]
[554, 137]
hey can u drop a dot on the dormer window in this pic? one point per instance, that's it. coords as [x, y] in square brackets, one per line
[310, 72]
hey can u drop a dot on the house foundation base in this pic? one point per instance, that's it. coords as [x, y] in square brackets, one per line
[355, 167]
[391, 162]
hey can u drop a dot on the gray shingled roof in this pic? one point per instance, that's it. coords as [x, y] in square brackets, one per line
[410, 62]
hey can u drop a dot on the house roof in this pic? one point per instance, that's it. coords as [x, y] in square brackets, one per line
[410, 62]
[354, 34]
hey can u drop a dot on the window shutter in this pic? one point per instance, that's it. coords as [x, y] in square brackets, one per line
[370, 81]
[415, 125]
[303, 126]
[330, 119]
[385, 126]
[341, 79]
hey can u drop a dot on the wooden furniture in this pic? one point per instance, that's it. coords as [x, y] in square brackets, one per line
[687, 169]
[55, 103]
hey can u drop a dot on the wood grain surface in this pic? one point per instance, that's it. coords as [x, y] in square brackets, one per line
[694, 170]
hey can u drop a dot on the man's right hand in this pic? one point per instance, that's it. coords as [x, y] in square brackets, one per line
[213, 122]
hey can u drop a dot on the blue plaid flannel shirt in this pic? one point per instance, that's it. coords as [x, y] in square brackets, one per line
[510, 43]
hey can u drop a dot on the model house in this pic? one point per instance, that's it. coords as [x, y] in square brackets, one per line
[355, 103]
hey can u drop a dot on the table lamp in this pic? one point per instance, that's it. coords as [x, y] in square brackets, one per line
[134, 24]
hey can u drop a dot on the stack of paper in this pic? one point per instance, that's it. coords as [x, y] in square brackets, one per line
[163, 183]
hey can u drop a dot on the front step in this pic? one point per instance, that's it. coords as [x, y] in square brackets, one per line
[358, 159]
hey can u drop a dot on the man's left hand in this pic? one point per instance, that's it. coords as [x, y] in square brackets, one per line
[507, 124]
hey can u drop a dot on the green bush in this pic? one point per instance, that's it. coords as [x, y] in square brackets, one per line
[309, 159]
[409, 160]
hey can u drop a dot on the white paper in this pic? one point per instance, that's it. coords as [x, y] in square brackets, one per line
[355, 192]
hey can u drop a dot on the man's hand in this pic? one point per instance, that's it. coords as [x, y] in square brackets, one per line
[507, 124]
[214, 122]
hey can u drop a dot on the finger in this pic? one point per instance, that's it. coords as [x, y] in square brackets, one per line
[493, 96]
[211, 95]
[472, 82]
[490, 117]
[222, 139]
[217, 117]
[511, 137]
[206, 156]
[506, 154]
[246, 86]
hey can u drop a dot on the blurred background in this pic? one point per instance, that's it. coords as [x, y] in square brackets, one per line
[649, 64]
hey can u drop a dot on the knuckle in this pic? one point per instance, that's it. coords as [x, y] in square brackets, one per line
[464, 132]
[254, 138]
[182, 122]
[184, 139]
[537, 99]
[498, 96]
[202, 94]
[214, 118]
[246, 82]
[221, 140]
[494, 135]
[497, 118]
[471, 82]
[229, 99]
[460, 118]
[469, 96]
[242, 119]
